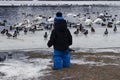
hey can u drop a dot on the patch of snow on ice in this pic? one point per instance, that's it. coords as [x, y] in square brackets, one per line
[112, 57]
[91, 63]
[103, 56]
[96, 42]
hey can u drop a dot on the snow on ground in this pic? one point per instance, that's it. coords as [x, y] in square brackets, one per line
[85, 61]
[103, 56]
[91, 63]
[59, 3]
[23, 69]
[29, 69]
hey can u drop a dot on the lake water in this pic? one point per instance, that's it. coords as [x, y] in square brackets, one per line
[13, 14]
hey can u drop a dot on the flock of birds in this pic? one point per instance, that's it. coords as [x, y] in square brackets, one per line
[103, 19]
[17, 31]
[5, 31]
[27, 26]
[85, 31]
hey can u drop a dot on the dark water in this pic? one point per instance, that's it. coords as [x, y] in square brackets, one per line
[14, 14]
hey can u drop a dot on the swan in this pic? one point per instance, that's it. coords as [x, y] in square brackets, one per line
[88, 22]
[98, 21]
[101, 15]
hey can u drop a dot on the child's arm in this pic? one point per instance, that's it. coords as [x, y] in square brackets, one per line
[52, 39]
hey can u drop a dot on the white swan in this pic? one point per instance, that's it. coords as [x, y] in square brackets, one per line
[88, 22]
[71, 14]
[98, 21]
[50, 20]
[18, 24]
[39, 18]
[101, 15]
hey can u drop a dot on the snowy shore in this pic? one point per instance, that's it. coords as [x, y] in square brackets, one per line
[39, 67]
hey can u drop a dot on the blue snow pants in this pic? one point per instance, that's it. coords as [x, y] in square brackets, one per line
[61, 59]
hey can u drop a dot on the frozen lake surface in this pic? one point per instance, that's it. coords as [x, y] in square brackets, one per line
[92, 42]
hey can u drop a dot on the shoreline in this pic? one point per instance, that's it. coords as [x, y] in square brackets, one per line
[77, 50]
[102, 66]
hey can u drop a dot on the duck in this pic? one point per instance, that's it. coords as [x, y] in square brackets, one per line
[33, 29]
[115, 15]
[113, 20]
[17, 30]
[76, 32]
[86, 32]
[106, 32]
[104, 19]
[15, 34]
[25, 31]
[103, 24]
[92, 29]
[11, 28]
[3, 31]
[109, 24]
[93, 12]
[84, 15]
[115, 29]
[108, 16]
[8, 34]
[3, 23]
[81, 27]
[45, 35]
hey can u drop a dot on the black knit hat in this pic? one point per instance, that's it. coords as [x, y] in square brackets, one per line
[59, 14]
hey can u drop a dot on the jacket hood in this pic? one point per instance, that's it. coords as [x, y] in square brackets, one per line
[60, 25]
[58, 18]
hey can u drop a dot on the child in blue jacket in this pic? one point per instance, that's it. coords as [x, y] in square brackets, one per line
[61, 39]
